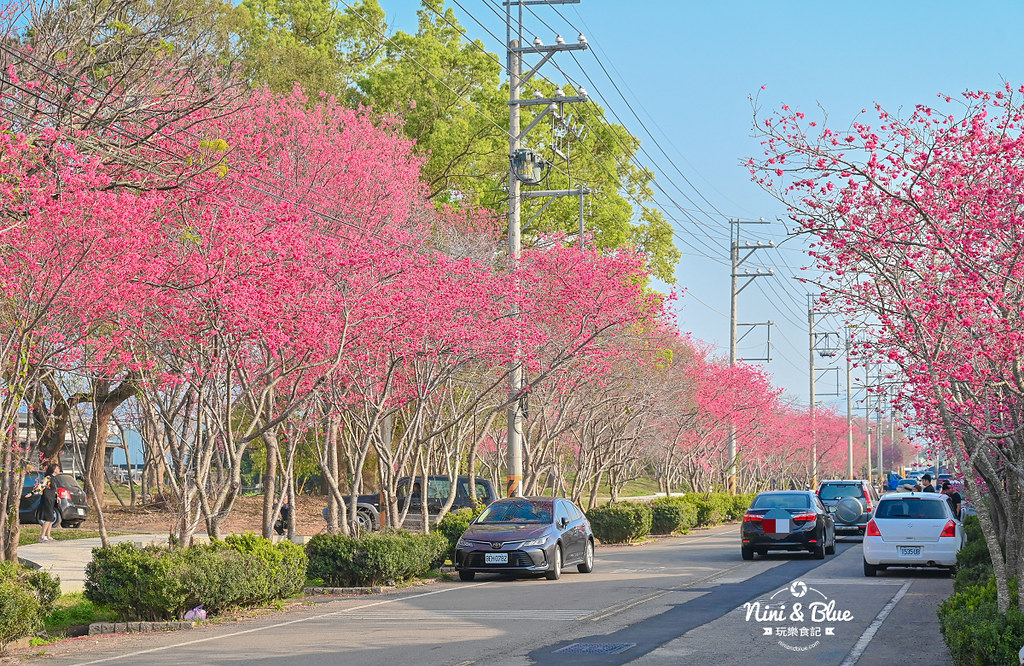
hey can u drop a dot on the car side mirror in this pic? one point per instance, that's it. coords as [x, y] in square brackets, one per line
[562, 522]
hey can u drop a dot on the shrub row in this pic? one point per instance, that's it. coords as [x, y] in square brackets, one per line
[623, 522]
[374, 558]
[26, 597]
[972, 626]
[975, 631]
[454, 525]
[155, 583]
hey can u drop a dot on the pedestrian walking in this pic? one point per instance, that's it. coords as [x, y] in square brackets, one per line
[927, 487]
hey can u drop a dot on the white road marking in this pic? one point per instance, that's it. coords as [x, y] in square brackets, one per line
[276, 626]
[869, 633]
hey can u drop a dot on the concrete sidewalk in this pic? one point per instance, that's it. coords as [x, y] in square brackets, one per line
[68, 559]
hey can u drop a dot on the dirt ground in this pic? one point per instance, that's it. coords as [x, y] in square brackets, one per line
[246, 516]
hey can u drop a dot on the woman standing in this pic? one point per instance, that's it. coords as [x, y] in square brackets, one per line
[47, 512]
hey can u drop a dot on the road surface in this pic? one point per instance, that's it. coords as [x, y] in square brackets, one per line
[682, 600]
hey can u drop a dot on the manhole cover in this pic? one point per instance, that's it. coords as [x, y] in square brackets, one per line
[595, 648]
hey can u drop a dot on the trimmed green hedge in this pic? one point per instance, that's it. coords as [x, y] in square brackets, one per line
[453, 526]
[621, 522]
[374, 558]
[711, 508]
[672, 515]
[26, 596]
[156, 583]
[976, 632]
[974, 566]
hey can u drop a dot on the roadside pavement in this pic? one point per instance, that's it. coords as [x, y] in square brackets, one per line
[68, 559]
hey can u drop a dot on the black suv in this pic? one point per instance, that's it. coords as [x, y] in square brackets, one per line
[851, 502]
[409, 490]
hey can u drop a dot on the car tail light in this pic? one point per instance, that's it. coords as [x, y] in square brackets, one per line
[805, 516]
[867, 500]
[752, 518]
[949, 530]
[872, 529]
[63, 493]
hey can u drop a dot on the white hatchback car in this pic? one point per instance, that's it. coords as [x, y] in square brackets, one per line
[912, 530]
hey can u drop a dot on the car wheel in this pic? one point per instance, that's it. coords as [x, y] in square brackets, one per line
[467, 575]
[870, 569]
[747, 552]
[587, 565]
[75, 526]
[819, 551]
[555, 572]
[365, 521]
[831, 549]
[952, 571]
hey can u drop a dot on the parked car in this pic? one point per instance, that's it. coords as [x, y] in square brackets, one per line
[523, 535]
[787, 520]
[368, 507]
[912, 530]
[850, 501]
[72, 505]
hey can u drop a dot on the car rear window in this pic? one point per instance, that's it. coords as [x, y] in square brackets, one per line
[831, 492]
[67, 481]
[782, 501]
[910, 507]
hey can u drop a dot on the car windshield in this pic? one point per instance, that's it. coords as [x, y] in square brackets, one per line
[518, 511]
[910, 507]
[782, 501]
[837, 491]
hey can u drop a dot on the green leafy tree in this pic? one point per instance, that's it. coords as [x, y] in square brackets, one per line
[312, 43]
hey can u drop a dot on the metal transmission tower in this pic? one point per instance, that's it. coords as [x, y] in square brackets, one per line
[527, 168]
[736, 248]
[825, 345]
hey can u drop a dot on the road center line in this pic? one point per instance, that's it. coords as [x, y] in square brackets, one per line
[278, 625]
[869, 633]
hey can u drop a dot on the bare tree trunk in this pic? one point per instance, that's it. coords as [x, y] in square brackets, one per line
[269, 483]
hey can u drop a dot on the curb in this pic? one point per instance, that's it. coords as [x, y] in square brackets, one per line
[313, 591]
[135, 627]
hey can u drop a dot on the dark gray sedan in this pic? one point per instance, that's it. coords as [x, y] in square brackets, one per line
[522, 535]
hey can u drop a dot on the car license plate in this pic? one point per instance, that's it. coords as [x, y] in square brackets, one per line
[495, 558]
[910, 551]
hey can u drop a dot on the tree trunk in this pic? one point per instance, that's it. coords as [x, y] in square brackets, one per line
[269, 483]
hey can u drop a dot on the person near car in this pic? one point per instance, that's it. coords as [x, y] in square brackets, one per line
[47, 511]
[927, 487]
[955, 500]
[281, 524]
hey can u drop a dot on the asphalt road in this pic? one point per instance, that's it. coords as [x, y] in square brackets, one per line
[682, 600]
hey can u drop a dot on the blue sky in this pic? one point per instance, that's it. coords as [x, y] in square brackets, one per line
[688, 69]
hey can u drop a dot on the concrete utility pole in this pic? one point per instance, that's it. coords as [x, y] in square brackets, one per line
[849, 408]
[867, 414]
[735, 247]
[814, 434]
[526, 167]
[825, 345]
[878, 426]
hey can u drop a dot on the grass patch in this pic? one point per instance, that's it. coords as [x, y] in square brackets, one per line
[30, 534]
[74, 609]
